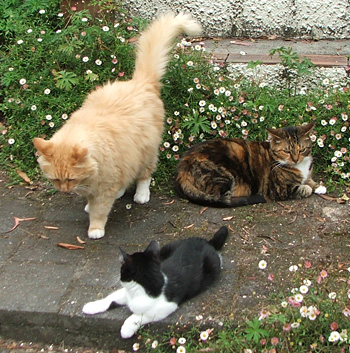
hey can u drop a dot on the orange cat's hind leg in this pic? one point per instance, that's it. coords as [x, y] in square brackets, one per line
[143, 180]
[143, 192]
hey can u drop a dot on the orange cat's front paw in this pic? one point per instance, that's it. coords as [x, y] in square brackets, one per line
[95, 233]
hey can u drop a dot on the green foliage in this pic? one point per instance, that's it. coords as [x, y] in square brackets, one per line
[312, 317]
[65, 80]
[294, 67]
[50, 62]
[255, 332]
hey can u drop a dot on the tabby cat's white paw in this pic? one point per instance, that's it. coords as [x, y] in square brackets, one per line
[93, 308]
[321, 190]
[87, 208]
[96, 233]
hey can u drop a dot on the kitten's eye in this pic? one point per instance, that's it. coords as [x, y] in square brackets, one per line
[70, 180]
[302, 150]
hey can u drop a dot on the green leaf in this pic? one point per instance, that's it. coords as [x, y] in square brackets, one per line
[255, 332]
[66, 80]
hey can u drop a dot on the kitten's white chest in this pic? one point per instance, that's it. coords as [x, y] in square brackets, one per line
[304, 168]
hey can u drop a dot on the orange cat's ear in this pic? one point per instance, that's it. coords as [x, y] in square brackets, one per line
[43, 147]
[78, 154]
[307, 129]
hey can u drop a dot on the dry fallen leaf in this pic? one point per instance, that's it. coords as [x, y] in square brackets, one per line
[320, 219]
[24, 176]
[17, 220]
[70, 246]
[327, 197]
[203, 210]
[169, 203]
[80, 241]
[189, 226]
[132, 40]
[228, 218]
[51, 227]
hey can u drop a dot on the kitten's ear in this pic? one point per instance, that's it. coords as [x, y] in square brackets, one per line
[78, 154]
[153, 247]
[123, 255]
[307, 129]
[43, 147]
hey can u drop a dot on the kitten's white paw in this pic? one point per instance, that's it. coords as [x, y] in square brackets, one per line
[142, 197]
[93, 308]
[127, 331]
[321, 190]
[96, 233]
[87, 208]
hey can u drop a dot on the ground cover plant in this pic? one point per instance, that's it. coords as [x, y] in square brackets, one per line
[49, 62]
[313, 316]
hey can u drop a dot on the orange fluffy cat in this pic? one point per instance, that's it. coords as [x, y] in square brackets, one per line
[113, 139]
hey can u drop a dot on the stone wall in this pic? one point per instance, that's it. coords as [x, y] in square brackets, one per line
[311, 19]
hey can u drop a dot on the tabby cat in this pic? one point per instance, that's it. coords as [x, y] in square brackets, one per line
[113, 139]
[156, 281]
[236, 172]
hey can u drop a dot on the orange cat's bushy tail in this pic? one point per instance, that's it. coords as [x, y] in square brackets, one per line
[156, 42]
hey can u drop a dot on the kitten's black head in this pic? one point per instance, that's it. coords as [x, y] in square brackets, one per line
[143, 268]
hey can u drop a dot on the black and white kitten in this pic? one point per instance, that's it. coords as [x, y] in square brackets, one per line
[157, 280]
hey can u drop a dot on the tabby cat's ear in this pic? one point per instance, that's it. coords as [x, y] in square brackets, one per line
[43, 147]
[153, 247]
[307, 129]
[275, 134]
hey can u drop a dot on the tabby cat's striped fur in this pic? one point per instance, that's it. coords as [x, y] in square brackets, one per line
[236, 172]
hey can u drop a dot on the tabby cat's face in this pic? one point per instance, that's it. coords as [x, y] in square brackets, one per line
[68, 168]
[290, 145]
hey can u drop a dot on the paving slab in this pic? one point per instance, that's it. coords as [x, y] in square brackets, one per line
[323, 53]
[44, 287]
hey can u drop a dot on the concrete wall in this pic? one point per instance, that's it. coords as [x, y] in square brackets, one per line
[313, 19]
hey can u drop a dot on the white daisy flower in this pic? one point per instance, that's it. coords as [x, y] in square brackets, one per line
[181, 340]
[304, 289]
[332, 295]
[262, 264]
[334, 336]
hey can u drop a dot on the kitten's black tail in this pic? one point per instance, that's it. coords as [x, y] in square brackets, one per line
[219, 238]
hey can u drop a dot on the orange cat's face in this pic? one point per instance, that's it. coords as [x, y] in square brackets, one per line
[291, 145]
[68, 168]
